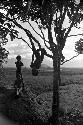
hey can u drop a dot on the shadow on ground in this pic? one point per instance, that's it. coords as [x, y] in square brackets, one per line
[23, 109]
[31, 109]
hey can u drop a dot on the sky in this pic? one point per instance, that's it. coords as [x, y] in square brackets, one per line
[18, 47]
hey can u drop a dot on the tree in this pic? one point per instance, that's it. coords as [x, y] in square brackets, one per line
[48, 15]
[3, 52]
[3, 56]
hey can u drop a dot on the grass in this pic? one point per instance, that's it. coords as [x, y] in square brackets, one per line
[42, 86]
[44, 81]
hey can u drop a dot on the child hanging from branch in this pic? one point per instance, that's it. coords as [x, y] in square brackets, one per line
[36, 58]
[39, 56]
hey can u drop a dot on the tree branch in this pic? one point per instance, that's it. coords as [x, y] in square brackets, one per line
[40, 35]
[28, 34]
[66, 34]
[63, 16]
[71, 25]
[75, 35]
[69, 59]
[48, 55]
[78, 27]
[34, 30]
[26, 31]
[45, 40]
[52, 44]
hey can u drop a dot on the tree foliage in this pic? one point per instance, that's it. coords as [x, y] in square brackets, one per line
[3, 41]
[79, 46]
[3, 53]
[47, 14]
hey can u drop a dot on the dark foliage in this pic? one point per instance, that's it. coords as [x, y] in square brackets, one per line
[3, 53]
[79, 46]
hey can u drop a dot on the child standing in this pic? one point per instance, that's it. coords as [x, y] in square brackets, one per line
[19, 64]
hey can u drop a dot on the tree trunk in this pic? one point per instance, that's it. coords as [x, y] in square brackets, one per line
[0, 71]
[56, 80]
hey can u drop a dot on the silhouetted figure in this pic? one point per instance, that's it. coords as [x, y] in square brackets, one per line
[39, 55]
[19, 64]
[19, 85]
[37, 58]
[35, 64]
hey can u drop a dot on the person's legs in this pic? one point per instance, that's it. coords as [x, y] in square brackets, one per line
[18, 74]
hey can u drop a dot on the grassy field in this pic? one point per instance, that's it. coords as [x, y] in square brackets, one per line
[43, 82]
[71, 89]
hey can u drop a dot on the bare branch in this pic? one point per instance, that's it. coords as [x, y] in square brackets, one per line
[75, 35]
[48, 55]
[28, 34]
[26, 31]
[66, 34]
[34, 30]
[44, 40]
[52, 44]
[69, 59]
[63, 16]
[37, 32]
[71, 25]
[78, 27]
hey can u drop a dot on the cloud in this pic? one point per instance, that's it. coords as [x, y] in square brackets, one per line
[11, 56]
[11, 45]
[18, 47]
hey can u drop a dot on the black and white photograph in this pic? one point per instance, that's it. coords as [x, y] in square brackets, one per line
[41, 62]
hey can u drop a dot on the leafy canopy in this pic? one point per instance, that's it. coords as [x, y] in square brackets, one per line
[47, 14]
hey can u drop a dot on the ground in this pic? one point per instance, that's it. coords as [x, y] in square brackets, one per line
[37, 102]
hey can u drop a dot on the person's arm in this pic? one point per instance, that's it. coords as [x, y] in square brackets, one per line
[22, 64]
[16, 64]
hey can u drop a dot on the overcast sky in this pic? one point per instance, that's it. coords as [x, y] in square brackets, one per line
[19, 47]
